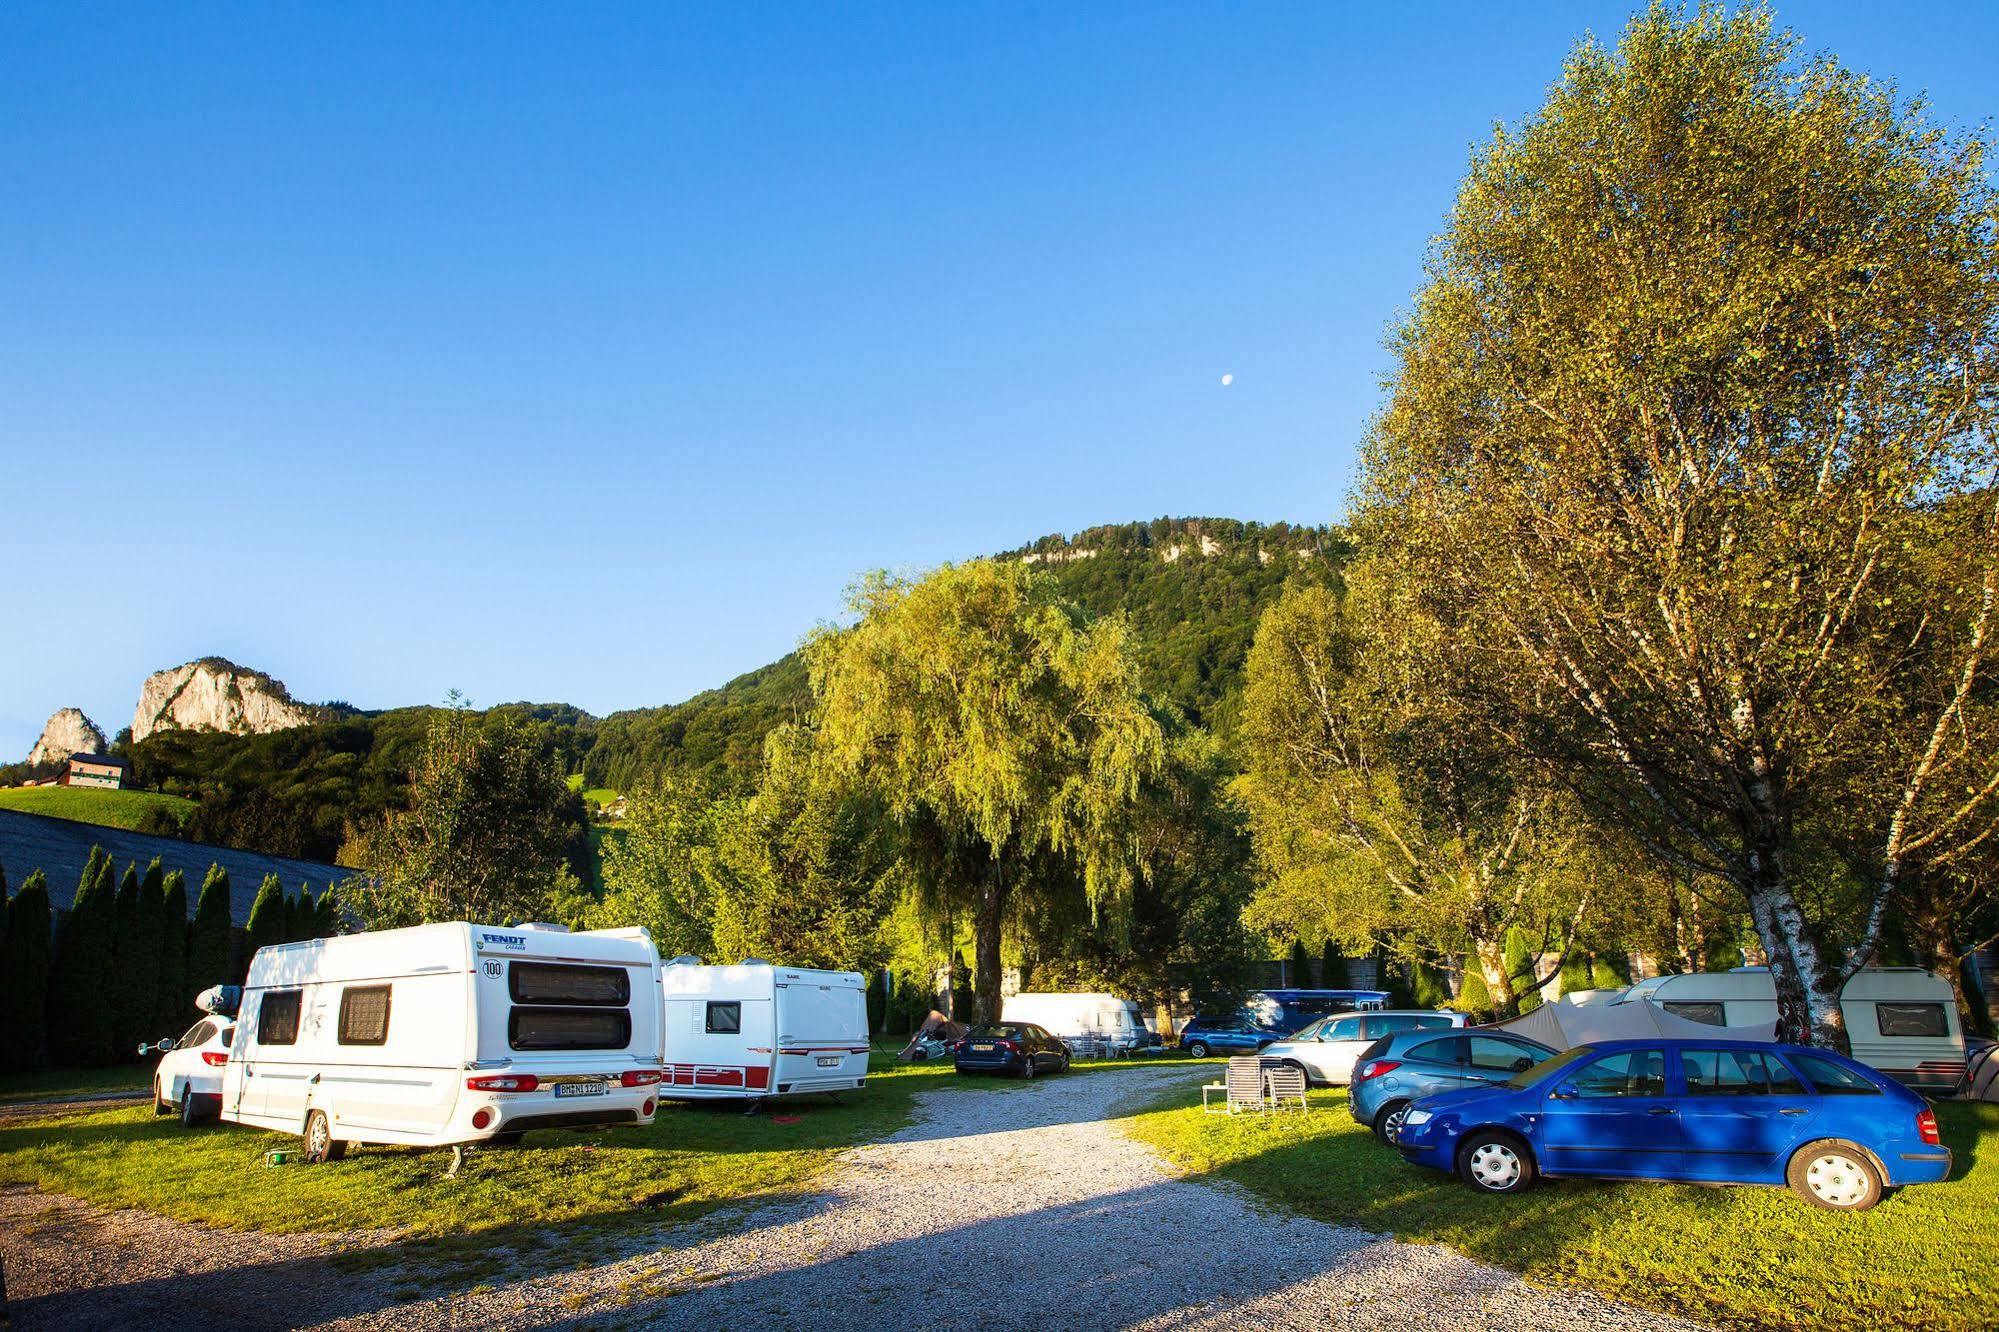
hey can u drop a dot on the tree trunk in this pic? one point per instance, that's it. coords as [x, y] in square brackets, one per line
[1498, 979]
[1808, 989]
[986, 941]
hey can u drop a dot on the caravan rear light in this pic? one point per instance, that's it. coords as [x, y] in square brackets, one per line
[639, 1077]
[1926, 1127]
[504, 1082]
[1374, 1068]
[214, 1058]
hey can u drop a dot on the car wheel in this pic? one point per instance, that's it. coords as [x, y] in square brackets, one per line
[1496, 1163]
[505, 1140]
[1027, 1068]
[161, 1105]
[1063, 1067]
[320, 1144]
[1835, 1175]
[1388, 1120]
[189, 1115]
[1199, 1049]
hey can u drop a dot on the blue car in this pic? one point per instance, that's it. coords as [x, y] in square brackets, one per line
[1403, 1067]
[1204, 1036]
[1719, 1112]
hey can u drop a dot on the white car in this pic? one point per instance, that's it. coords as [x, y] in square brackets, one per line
[1326, 1050]
[188, 1080]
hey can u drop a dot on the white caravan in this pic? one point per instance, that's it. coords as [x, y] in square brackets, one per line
[442, 1035]
[1109, 1021]
[757, 1030]
[1901, 1020]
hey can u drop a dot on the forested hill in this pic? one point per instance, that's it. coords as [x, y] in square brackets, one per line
[1192, 588]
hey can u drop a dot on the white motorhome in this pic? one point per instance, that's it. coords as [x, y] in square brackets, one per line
[1112, 1023]
[1901, 1020]
[443, 1035]
[757, 1030]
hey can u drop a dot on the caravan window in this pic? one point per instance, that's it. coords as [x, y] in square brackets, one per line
[1712, 1014]
[555, 983]
[725, 1018]
[277, 1017]
[364, 1015]
[569, 1028]
[1911, 1020]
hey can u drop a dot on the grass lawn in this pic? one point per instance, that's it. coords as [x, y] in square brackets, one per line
[110, 809]
[54, 1084]
[1747, 1257]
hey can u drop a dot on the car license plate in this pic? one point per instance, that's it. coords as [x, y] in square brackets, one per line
[581, 1088]
[831, 1061]
[986, 1048]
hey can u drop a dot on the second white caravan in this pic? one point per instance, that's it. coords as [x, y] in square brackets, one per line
[443, 1035]
[757, 1030]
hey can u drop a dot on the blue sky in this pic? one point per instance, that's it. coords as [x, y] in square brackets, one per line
[587, 352]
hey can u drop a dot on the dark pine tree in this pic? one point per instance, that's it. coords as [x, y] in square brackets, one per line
[1332, 966]
[24, 976]
[82, 1007]
[209, 960]
[172, 1002]
[1301, 965]
[139, 954]
[267, 916]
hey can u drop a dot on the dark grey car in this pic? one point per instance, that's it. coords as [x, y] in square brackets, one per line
[1399, 1068]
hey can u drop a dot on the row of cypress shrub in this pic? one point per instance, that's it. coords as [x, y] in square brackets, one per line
[126, 962]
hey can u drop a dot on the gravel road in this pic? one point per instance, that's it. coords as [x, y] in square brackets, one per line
[991, 1210]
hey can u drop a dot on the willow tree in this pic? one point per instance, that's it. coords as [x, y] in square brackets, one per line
[1383, 818]
[1708, 340]
[998, 729]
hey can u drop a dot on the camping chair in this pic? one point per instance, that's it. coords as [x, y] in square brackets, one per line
[1284, 1082]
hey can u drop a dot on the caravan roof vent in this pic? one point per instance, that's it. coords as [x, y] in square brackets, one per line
[684, 960]
[550, 926]
[753, 962]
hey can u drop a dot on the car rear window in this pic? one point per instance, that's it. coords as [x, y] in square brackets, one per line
[1829, 1077]
[1443, 1050]
[1493, 1052]
[1002, 1031]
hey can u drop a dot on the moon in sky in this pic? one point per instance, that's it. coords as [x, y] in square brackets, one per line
[1227, 380]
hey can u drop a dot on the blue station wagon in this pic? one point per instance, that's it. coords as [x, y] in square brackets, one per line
[1726, 1112]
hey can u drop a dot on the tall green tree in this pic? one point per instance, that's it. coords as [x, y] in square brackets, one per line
[24, 975]
[171, 996]
[997, 728]
[83, 1013]
[485, 836]
[211, 942]
[139, 955]
[1708, 345]
[1381, 816]
[269, 921]
[128, 1001]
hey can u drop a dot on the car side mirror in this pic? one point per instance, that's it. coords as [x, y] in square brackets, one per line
[1565, 1092]
[1522, 1064]
[160, 1046]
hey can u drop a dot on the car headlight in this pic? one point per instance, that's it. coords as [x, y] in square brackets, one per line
[1415, 1117]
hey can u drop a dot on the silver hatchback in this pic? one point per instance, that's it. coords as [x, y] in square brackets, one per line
[1397, 1070]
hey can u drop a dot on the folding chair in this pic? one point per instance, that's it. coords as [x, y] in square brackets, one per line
[1284, 1083]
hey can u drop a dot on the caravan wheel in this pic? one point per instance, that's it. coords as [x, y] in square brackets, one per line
[320, 1144]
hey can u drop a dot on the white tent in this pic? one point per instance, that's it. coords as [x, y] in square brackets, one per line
[1606, 1015]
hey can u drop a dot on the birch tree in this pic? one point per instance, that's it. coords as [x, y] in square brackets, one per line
[1708, 343]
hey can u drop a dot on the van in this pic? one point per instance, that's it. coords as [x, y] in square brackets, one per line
[1900, 1020]
[444, 1035]
[756, 1030]
[1102, 1022]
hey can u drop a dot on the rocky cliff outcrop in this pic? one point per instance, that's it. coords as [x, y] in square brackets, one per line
[214, 695]
[68, 732]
